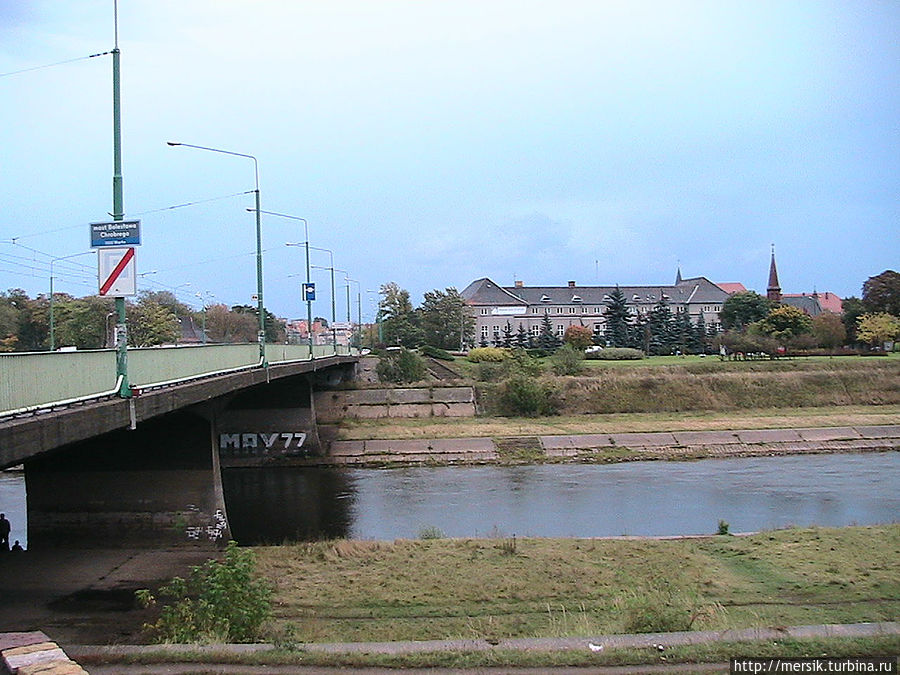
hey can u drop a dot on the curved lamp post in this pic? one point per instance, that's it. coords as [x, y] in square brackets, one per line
[306, 245]
[259, 272]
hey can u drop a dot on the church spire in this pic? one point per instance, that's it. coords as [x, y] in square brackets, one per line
[678, 276]
[773, 292]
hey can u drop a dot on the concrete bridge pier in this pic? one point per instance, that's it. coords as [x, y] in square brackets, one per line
[157, 486]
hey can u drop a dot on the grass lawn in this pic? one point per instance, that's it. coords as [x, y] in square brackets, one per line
[499, 588]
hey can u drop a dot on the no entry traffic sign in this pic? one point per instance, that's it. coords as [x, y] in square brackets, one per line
[117, 272]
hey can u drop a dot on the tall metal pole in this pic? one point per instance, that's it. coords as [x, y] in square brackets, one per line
[261, 308]
[309, 326]
[259, 272]
[118, 213]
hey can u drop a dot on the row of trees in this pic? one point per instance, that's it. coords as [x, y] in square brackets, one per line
[754, 323]
[442, 320]
[155, 318]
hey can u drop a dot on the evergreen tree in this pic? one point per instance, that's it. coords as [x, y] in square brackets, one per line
[660, 323]
[618, 320]
[507, 335]
[698, 336]
[547, 339]
[523, 338]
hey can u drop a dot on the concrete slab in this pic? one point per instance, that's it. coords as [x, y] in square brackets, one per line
[768, 436]
[705, 437]
[639, 440]
[829, 434]
[345, 448]
[584, 441]
[879, 431]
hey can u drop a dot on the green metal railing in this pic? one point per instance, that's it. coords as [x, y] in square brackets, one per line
[39, 379]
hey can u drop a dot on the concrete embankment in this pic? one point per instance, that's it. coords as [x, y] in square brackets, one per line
[617, 447]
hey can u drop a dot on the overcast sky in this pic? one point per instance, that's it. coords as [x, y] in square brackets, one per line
[433, 143]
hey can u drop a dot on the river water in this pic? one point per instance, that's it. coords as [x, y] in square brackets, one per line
[550, 500]
[563, 500]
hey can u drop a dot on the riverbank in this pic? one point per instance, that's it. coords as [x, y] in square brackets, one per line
[613, 447]
[494, 589]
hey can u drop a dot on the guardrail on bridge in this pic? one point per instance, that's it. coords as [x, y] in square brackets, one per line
[41, 379]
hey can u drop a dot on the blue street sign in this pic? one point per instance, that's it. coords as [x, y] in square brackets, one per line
[116, 233]
[309, 292]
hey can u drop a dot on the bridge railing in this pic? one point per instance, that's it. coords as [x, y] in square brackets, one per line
[38, 379]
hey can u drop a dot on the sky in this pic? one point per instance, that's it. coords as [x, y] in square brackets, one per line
[434, 143]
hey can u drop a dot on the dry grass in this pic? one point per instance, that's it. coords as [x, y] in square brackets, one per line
[498, 427]
[350, 591]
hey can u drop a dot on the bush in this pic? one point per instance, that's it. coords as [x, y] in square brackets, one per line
[436, 353]
[523, 363]
[401, 367]
[431, 532]
[616, 354]
[219, 602]
[527, 396]
[568, 360]
[490, 354]
[663, 608]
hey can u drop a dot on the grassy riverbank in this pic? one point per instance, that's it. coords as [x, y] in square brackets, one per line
[500, 588]
[560, 425]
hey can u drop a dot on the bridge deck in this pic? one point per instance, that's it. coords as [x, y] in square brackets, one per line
[83, 409]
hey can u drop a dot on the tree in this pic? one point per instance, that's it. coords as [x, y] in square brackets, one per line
[785, 323]
[881, 293]
[617, 318]
[400, 324]
[660, 326]
[742, 309]
[223, 325]
[446, 320]
[852, 310]
[580, 337]
[876, 329]
[82, 322]
[276, 331]
[829, 330]
[151, 324]
[547, 339]
[523, 338]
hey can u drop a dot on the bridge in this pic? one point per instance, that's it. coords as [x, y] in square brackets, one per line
[102, 470]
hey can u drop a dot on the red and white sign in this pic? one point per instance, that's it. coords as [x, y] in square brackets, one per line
[117, 272]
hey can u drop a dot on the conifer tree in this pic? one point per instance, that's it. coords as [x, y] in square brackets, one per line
[618, 319]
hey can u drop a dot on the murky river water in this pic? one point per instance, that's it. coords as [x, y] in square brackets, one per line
[555, 500]
[637, 498]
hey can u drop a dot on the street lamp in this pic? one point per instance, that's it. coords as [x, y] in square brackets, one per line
[308, 281]
[358, 303]
[259, 272]
[203, 312]
[333, 305]
[377, 316]
[65, 257]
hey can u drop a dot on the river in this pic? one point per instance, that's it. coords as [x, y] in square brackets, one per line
[548, 500]
[564, 500]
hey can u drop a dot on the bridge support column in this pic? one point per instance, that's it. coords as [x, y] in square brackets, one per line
[268, 424]
[157, 486]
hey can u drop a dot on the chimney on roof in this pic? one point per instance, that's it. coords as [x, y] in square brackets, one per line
[571, 284]
[519, 283]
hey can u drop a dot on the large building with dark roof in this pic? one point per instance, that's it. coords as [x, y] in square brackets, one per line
[494, 306]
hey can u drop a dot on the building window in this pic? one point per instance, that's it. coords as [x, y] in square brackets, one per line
[535, 330]
[598, 328]
[484, 332]
[485, 311]
[560, 330]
